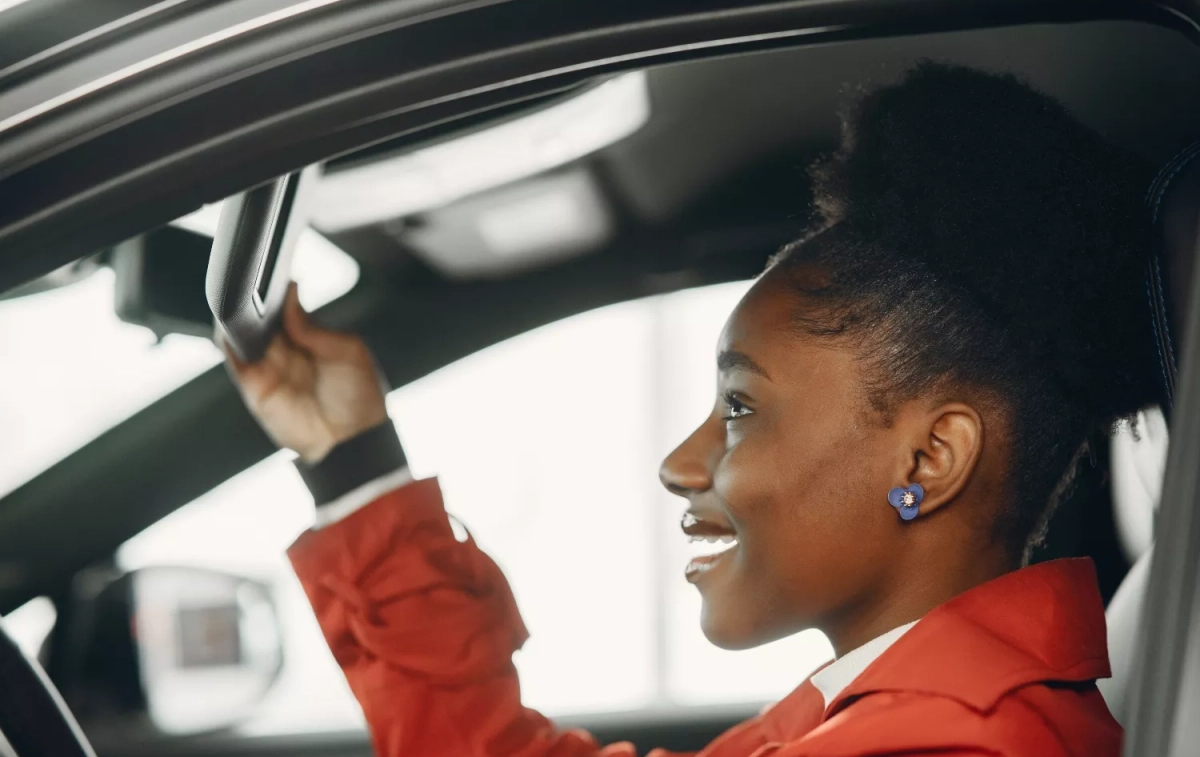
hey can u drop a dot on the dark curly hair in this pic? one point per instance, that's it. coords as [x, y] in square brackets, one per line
[974, 234]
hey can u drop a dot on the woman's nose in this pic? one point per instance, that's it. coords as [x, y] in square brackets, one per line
[688, 469]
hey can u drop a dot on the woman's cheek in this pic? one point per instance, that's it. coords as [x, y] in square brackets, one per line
[746, 475]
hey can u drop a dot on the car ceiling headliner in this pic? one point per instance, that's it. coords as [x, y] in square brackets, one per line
[715, 116]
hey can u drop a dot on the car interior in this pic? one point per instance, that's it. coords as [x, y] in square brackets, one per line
[478, 229]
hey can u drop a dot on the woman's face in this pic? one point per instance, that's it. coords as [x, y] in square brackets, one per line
[789, 475]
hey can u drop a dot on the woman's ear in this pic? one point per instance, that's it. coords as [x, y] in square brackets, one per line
[947, 445]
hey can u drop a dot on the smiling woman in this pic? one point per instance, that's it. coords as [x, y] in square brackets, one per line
[621, 382]
[903, 397]
[811, 505]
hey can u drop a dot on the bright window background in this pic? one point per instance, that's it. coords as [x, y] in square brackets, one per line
[548, 448]
[74, 370]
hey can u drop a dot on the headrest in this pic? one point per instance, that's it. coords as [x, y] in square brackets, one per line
[1174, 204]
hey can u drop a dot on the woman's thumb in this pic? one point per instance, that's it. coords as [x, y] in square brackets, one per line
[295, 321]
[303, 332]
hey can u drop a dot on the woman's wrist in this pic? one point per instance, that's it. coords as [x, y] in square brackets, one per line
[354, 462]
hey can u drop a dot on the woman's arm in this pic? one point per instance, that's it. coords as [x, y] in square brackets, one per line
[425, 627]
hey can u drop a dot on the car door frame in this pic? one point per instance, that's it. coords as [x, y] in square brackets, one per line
[102, 160]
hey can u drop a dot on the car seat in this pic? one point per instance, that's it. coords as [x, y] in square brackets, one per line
[1174, 205]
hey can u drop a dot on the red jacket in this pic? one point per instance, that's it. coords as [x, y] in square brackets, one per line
[425, 626]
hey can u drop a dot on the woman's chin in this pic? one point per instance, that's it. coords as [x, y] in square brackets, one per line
[731, 622]
[727, 629]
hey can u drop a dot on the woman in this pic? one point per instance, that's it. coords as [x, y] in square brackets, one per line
[904, 395]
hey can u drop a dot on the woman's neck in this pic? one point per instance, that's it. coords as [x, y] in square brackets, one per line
[911, 591]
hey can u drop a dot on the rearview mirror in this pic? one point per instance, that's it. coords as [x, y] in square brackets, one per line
[250, 267]
[183, 650]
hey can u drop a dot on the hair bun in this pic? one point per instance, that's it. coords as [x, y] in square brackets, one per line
[998, 188]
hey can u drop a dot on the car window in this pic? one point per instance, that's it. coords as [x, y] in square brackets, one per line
[547, 447]
[101, 370]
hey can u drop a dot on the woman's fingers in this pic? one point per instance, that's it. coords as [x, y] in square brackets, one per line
[254, 380]
[313, 387]
[238, 369]
[323, 344]
[288, 360]
[303, 332]
[231, 357]
[295, 320]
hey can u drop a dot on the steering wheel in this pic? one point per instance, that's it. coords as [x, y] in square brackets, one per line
[33, 717]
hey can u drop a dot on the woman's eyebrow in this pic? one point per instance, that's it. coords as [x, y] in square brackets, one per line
[732, 359]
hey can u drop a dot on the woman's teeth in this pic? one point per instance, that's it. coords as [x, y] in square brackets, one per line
[709, 542]
[708, 546]
[707, 552]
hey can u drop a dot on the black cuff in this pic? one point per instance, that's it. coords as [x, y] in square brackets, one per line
[357, 461]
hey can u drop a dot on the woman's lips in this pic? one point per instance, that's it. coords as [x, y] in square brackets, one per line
[711, 540]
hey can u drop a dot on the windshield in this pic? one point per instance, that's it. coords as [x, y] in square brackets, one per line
[74, 370]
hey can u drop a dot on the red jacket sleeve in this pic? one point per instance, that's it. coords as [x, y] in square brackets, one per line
[425, 627]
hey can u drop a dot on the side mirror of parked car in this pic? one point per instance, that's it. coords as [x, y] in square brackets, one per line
[179, 650]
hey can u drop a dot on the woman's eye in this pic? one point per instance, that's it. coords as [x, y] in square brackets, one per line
[735, 408]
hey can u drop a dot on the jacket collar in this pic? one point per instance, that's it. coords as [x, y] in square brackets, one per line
[1038, 624]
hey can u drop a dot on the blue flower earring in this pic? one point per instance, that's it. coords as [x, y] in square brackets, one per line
[907, 500]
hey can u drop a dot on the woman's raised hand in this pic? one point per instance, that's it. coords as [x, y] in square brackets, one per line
[314, 388]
